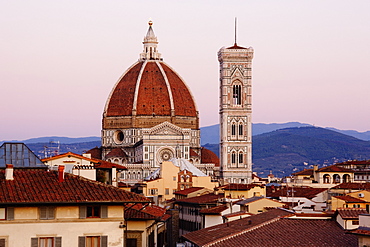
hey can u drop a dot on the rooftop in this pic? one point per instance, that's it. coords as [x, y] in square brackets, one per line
[239, 186]
[39, 186]
[307, 192]
[351, 213]
[188, 191]
[203, 199]
[215, 233]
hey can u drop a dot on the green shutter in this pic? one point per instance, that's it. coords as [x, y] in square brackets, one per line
[34, 242]
[10, 213]
[58, 242]
[81, 241]
[104, 241]
[104, 212]
[82, 212]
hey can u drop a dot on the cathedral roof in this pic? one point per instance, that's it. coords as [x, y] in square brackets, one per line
[117, 152]
[209, 157]
[151, 88]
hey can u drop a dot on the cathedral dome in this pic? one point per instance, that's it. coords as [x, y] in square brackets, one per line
[150, 92]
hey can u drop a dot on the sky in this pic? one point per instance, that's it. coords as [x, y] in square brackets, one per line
[59, 60]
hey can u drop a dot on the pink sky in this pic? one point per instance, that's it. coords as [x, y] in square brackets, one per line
[60, 59]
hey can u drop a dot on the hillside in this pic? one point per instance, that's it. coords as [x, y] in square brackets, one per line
[288, 150]
[211, 134]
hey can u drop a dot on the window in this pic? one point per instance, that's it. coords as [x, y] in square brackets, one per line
[174, 178]
[93, 212]
[233, 158]
[355, 222]
[47, 213]
[237, 96]
[240, 129]
[3, 242]
[240, 158]
[6, 214]
[93, 241]
[233, 130]
[167, 191]
[46, 242]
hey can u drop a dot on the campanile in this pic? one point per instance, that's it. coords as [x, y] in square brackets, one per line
[236, 113]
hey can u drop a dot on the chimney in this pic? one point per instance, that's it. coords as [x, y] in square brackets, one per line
[114, 176]
[315, 167]
[60, 174]
[9, 172]
[87, 155]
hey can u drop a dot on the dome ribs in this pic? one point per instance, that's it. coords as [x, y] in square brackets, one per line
[183, 100]
[153, 98]
[122, 98]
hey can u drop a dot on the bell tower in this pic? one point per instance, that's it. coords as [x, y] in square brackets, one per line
[236, 113]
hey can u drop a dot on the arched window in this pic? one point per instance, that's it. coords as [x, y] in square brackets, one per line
[237, 95]
[346, 178]
[240, 129]
[233, 129]
[240, 158]
[336, 179]
[233, 158]
[326, 179]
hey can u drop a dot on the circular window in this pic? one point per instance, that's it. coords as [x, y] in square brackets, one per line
[118, 137]
[165, 155]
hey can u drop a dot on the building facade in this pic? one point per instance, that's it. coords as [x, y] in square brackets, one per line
[150, 117]
[236, 113]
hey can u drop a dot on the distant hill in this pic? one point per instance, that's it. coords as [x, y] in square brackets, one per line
[78, 148]
[288, 150]
[64, 140]
[211, 134]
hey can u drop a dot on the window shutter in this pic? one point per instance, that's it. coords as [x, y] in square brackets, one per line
[43, 213]
[34, 242]
[2, 242]
[104, 241]
[51, 211]
[81, 241]
[82, 212]
[104, 212]
[10, 213]
[58, 242]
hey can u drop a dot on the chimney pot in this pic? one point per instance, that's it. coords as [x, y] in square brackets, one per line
[9, 172]
[60, 173]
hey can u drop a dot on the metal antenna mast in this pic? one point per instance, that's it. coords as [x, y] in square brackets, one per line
[235, 32]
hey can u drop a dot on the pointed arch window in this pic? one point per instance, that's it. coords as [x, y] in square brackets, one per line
[233, 129]
[233, 158]
[240, 129]
[237, 94]
[240, 158]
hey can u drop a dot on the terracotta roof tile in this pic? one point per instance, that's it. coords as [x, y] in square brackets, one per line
[334, 168]
[211, 234]
[350, 199]
[193, 153]
[209, 157]
[351, 213]
[188, 191]
[236, 214]
[307, 172]
[235, 46]
[144, 212]
[353, 186]
[292, 232]
[96, 153]
[307, 192]
[36, 186]
[214, 210]
[365, 231]
[239, 186]
[117, 152]
[203, 199]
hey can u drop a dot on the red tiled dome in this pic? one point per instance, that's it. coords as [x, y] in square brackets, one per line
[150, 92]
[209, 157]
